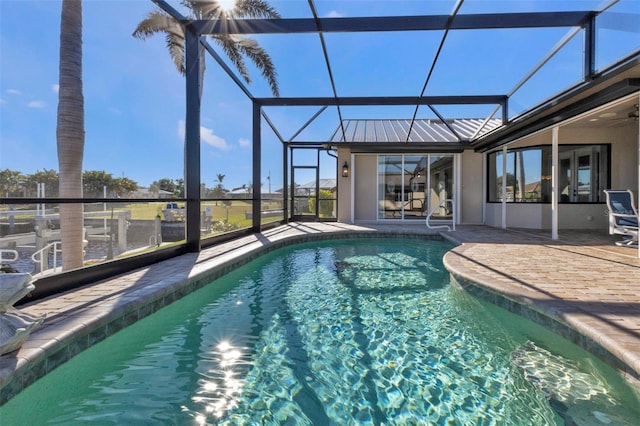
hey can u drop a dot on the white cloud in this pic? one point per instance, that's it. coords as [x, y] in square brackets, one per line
[36, 104]
[210, 138]
[2, 101]
[55, 88]
[115, 111]
[14, 92]
[334, 14]
[206, 135]
[244, 142]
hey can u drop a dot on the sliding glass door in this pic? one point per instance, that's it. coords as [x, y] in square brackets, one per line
[390, 195]
[440, 186]
[410, 186]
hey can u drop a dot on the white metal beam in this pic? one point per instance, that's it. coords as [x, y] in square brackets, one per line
[554, 182]
[504, 187]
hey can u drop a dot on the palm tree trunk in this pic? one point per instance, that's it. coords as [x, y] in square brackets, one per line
[70, 133]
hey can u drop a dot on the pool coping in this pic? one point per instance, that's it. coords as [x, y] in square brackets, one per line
[553, 314]
[63, 337]
[577, 333]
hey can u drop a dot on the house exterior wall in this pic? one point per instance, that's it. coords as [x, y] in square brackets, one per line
[538, 216]
[364, 177]
[624, 174]
[344, 187]
[624, 160]
[493, 215]
[580, 216]
[360, 187]
[471, 190]
[624, 150]
[365, 194]
[519, 215]
[524, 215]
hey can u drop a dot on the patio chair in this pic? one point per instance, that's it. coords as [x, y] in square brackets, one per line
[623, 216]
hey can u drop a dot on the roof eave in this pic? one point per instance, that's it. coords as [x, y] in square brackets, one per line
[391, 147]
[570, 103]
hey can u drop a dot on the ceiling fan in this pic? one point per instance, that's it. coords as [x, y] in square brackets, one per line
[631, 115]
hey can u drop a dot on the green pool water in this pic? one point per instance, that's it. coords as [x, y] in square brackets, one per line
[344, 332]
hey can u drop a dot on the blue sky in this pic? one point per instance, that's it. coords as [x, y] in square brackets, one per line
[134, 97]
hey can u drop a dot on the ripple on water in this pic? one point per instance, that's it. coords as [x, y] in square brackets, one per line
[362, 332]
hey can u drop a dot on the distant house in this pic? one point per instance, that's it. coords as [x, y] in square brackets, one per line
[146, 192]
[244, 192]
[304, 192]
[309, 188]
[533, 191]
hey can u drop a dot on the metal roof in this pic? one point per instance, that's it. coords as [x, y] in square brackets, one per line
[324, 184]
[422, 131]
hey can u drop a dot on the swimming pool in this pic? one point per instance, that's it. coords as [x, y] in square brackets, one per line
[359, 331]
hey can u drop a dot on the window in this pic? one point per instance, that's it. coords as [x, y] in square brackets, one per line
[583, 172]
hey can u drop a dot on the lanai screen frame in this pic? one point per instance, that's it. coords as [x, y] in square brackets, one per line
[196, 29]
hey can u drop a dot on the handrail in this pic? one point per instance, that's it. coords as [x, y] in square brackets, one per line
[453, 216]
[4, 252]
[41, 257]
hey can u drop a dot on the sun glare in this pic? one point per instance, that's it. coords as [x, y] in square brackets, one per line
[227, 5]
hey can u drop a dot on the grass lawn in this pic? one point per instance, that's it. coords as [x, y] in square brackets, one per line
[150, 210]
[234, 214]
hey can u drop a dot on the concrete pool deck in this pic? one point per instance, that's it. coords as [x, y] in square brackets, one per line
[582, 286]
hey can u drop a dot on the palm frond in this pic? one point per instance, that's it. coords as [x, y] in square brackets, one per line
[205, 9]
[261, 59]
[175, 45]
[254, 9]
[156, 22]
[234, 46]
[211, 9]
[160, 22]
[229, 45]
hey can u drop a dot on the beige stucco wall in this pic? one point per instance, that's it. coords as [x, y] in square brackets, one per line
[344, 187]
[524, 215]
[519, 215]
[365, 194]
[580, 216]
[493, 215]
[362, 179]
[538, 216]
[471, 190]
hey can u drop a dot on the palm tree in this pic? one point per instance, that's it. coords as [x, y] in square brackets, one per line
[234, 46]
[218, 190]
[70, 133]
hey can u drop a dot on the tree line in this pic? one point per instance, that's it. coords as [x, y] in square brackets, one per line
[16, 184]
[94, 182]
